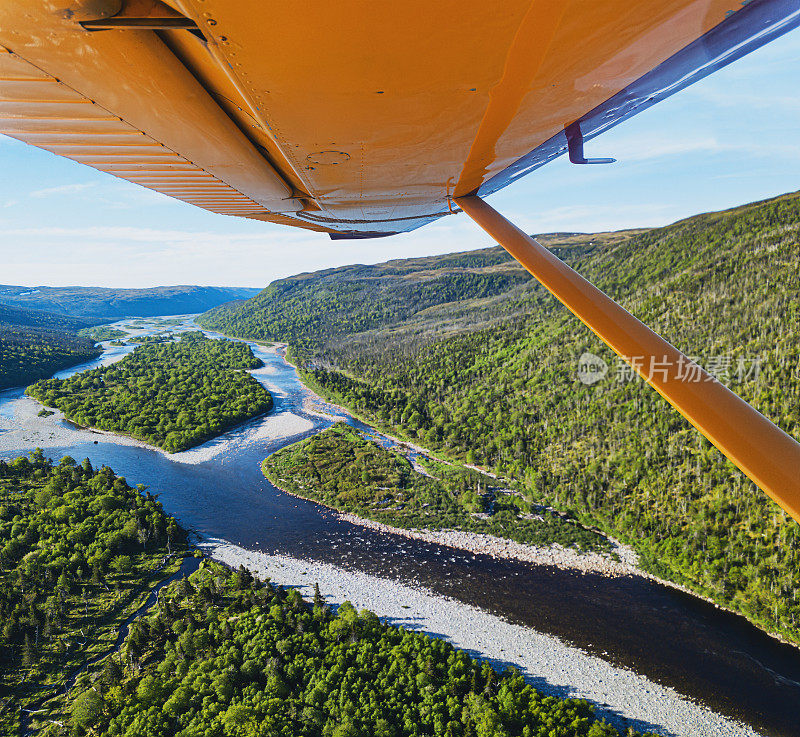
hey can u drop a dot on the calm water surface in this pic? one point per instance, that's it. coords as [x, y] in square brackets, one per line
[673, 638]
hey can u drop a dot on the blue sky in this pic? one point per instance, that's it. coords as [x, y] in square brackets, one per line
[730, 139]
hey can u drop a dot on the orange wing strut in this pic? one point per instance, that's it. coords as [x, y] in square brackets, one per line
[763, 451]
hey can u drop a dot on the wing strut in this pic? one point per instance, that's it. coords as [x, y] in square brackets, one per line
[769, 456]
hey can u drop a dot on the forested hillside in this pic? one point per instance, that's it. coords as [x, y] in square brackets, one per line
[77, 547]
[95, 305]
[311, 308]
[174, 395]
[492, 378]
[36, 344]
[224, 654]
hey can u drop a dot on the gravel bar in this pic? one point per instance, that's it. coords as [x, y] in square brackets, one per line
[621, 696]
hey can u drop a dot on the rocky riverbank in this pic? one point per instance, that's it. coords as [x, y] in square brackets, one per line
[621, 696]
[23, 429]
[626, 563]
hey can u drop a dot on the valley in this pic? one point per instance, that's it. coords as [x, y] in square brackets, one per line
[425, 472]
[46, 329]
[510, 612]
[95, 305]
[490, 377]
[525, 533]
[35, 344]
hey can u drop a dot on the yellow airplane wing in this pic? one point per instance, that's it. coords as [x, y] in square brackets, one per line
[352, 117]
[361, 119]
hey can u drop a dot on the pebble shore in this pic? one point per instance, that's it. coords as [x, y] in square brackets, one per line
[498, 547]
[622, 697]
[625, 564]
[22, 430]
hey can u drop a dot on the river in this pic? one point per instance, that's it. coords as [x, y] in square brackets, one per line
[218, 491]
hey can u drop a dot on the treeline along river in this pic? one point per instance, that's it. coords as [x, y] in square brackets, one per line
[218, 491]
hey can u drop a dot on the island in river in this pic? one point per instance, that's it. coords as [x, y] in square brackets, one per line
[171, 394]
[428, 499]
[468, 356]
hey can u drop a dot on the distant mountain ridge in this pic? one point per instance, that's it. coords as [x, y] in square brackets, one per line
[38, 319]
[308, 308]
[100, 304]
[313, 308]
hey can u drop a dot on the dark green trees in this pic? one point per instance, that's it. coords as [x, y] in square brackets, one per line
[259, 661]
[28, 354]
[174, 395]
[63, 530]
[344, 470]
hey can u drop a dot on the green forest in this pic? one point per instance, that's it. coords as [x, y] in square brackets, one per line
[77, 546]
[341, 469]
[148, 339]
[218, 652]
[173, 395]
[36, 344]
[308, 309]
[492, 379]
[224, 654]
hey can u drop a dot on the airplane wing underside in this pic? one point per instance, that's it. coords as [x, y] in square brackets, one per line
[361, 119]
[353, 118]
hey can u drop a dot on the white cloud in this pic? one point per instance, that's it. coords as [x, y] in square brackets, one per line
[138, 256]
[643, 148]
[136, 234]
[61, 189]
[636, 148]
